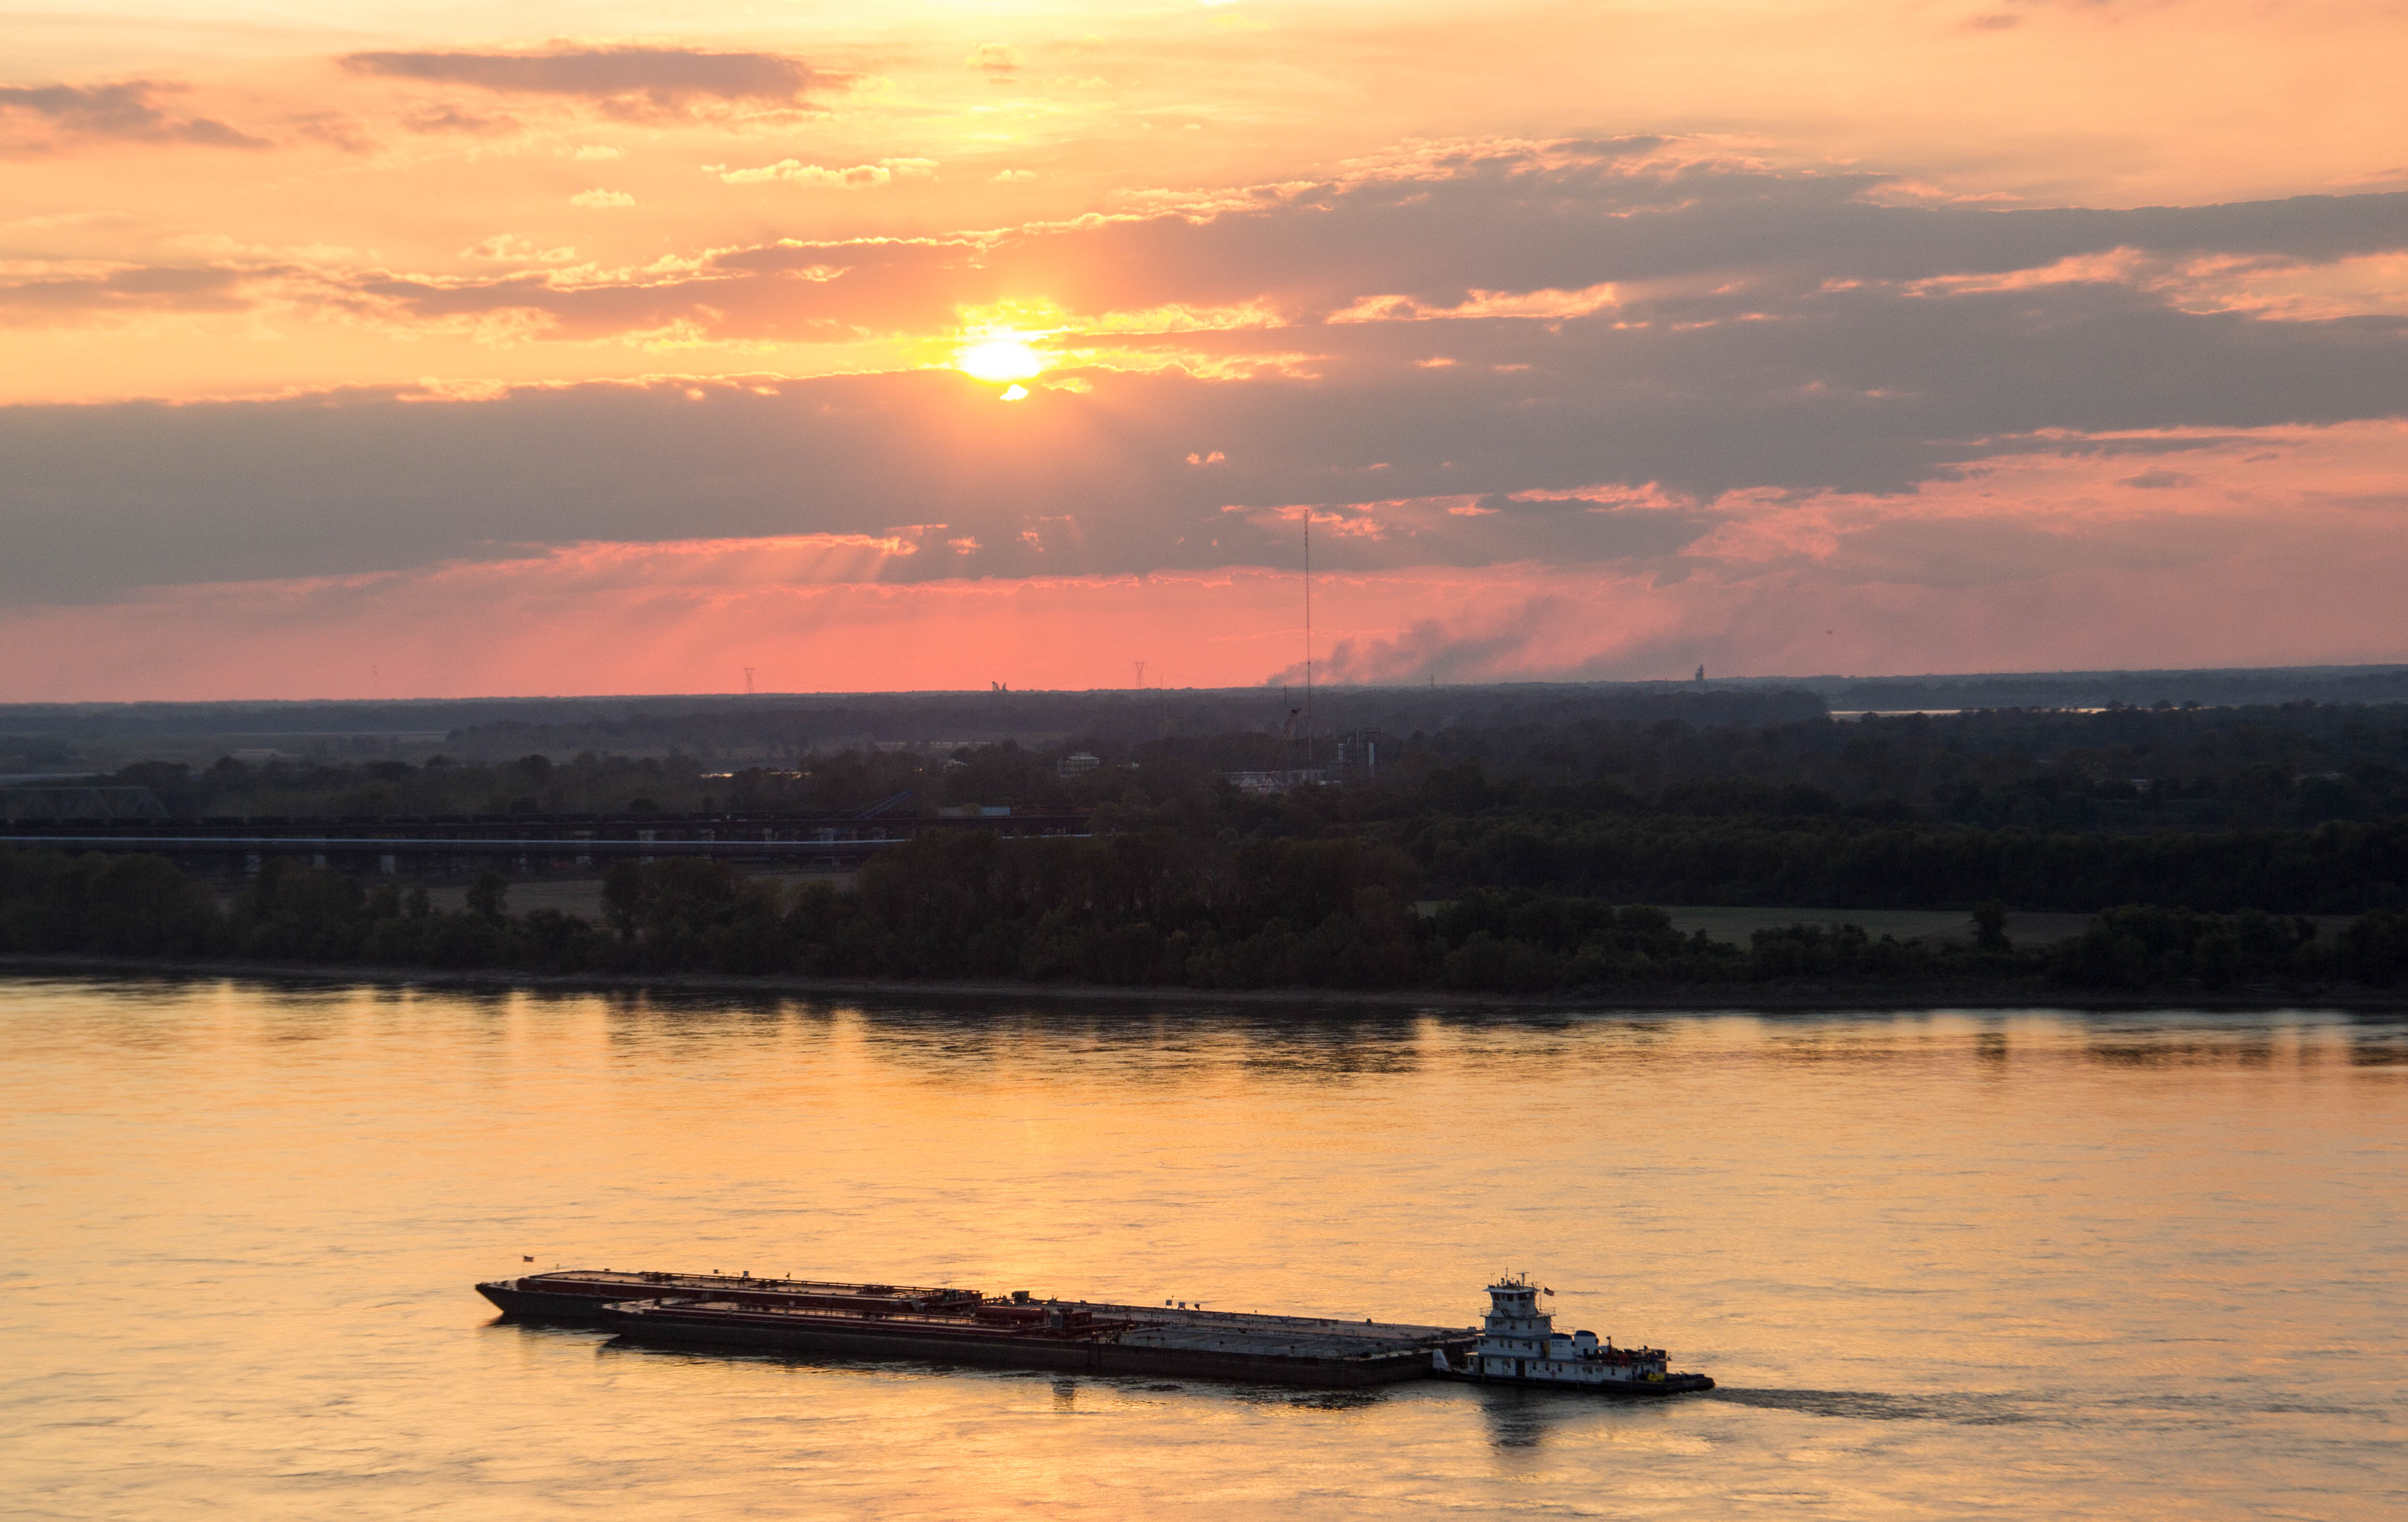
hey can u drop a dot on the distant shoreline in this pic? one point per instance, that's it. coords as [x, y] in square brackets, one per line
[1795, 996]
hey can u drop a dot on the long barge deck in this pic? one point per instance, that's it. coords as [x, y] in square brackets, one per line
[959, 1325]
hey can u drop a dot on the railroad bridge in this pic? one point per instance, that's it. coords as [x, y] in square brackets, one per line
[447, 845]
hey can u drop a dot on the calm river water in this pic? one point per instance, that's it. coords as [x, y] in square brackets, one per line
[1945, 1264]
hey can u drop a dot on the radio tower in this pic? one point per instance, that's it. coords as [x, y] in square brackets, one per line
[1308, 639]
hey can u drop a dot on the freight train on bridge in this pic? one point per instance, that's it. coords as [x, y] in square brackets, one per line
[449, 845]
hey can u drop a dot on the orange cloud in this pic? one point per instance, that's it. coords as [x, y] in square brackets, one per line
[624, 81]
[125, 112]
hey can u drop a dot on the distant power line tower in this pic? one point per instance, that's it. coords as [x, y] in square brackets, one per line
[748, 681]
[1141, 672]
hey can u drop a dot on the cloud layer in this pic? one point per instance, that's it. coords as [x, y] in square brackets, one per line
[1566, 354]
[1632, 232]
[51, 117]
[689, 615]
[682, 326]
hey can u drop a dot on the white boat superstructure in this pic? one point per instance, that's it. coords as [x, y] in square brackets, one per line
[1519, 1346]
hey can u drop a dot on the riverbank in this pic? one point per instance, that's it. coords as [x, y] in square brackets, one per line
[1786, 995]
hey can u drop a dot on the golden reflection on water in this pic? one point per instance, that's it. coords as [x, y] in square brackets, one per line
[1944, 1264]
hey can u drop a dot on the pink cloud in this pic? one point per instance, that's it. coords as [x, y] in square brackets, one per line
[2279, 548]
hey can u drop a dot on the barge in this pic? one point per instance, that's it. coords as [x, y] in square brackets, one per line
[1519, 1346]
[946, 1325]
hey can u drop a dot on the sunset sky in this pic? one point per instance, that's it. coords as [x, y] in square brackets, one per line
[377, 350]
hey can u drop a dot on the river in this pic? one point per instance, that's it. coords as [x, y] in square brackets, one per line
[1946, 1265]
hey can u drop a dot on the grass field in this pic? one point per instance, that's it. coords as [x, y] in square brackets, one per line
[1933, 925]
[583, 897]
[1735, 925]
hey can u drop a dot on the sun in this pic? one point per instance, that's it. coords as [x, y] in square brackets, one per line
[1002, 356]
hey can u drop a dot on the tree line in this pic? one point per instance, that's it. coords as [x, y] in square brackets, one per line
[1154, 909]
[2334, 868]
[2131, 770]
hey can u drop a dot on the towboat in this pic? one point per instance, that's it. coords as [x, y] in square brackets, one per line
[1518, 1344]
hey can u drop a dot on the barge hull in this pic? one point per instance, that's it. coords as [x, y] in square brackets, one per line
[1080, 1357]
[579, 1296]
[534, 1305]
[956, 1327]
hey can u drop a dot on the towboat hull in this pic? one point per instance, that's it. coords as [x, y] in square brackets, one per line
[1519, 1347]
[1626, 1389]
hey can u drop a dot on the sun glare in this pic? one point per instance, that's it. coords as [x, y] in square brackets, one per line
[1004, 356]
